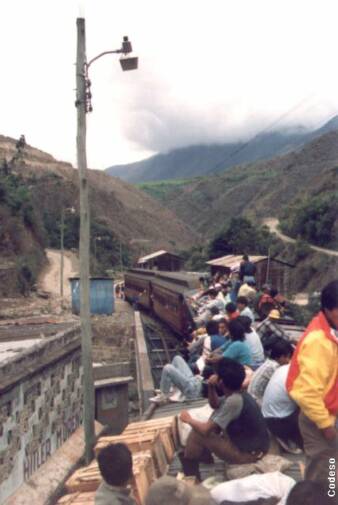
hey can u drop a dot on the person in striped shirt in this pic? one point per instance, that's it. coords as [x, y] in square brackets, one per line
[281, 354]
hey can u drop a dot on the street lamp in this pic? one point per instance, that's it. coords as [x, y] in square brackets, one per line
[71, 210]
[83, 105]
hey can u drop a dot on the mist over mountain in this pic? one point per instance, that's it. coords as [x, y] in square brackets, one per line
[201, 160]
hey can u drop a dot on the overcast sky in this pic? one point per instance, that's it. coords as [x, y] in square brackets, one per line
[210, 71]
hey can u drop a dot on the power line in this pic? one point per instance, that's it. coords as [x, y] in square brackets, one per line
[264, 130]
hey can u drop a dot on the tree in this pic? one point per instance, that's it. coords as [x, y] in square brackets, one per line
[240, 237]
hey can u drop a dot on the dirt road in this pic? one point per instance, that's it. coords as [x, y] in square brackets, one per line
[50, 278]
[272, 223]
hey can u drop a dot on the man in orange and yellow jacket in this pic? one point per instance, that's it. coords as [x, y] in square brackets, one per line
[313, 384]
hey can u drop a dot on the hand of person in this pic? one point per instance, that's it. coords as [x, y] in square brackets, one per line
[329, 433]
[213, 380]
[185, 417]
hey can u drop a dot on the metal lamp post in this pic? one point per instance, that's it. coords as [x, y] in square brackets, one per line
[83, 105]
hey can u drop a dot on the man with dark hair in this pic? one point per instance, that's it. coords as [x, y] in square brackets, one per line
[231, 311]
[281, 352]
[313, 384]
[309, 493]
[244, 309]
[253, 341]
[116, 467]
[236, 431]
[247, 269]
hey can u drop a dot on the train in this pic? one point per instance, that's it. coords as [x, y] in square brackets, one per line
[164, 294]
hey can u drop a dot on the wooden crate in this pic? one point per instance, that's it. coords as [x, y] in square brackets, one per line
[169, 423]
[77, 499]
[140, 442]
[89, 478]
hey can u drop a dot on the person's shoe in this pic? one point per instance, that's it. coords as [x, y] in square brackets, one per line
[289, 447]
[160, 399]
[177, 396]
[190, 467]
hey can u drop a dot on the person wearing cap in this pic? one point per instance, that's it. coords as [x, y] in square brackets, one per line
[268, 330]
[170, 491]
[312, 383]
[236, 432]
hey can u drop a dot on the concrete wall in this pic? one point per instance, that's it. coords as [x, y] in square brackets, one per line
[40, 406]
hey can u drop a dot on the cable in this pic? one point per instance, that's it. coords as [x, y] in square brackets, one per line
[264, 130]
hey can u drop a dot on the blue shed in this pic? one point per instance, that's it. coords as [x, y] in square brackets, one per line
[101, 295]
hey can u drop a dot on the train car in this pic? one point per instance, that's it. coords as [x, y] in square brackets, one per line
[164, 293]
[138, 287]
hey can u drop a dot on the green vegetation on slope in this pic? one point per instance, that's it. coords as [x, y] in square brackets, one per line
[314, 219]
[22, 235]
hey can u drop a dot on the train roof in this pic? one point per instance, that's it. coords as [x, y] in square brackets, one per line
[185, 280]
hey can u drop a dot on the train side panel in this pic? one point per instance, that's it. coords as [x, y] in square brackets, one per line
[138, 289]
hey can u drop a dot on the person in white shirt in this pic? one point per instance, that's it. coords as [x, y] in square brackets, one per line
[280, 411]
[244, 309]
[280, 354]
[253, 341]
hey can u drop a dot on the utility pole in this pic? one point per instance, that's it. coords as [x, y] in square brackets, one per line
[121, 258]
[62, 234]
[86, 337]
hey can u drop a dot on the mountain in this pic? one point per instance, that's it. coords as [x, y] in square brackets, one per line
[201, 160]
[257, 190]
[38, 187]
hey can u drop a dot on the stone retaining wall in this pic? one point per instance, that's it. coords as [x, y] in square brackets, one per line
[40, 406]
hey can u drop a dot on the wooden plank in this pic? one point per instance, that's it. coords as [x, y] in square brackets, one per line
[88, 479]
[77, 499]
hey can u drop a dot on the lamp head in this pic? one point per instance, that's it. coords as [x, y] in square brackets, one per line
[128, 62]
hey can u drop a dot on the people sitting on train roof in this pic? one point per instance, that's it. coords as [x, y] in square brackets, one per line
[248, 290]
[236, 284]
[281, 412]
[195, 345]
[116, 466]
[244, 309]
[170, 491]
[179, 382]
[313, 384]
[235, 346]
[236, 432]
[213, 341]
[231, 311]
[247, 269]
[269, 329]
[253, 341]
[225, 293]
[280, 354]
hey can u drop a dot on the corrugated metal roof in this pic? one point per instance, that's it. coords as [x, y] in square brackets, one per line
[156, 254]
[233, 261]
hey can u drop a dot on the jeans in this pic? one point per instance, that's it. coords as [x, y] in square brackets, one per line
[180, 375]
